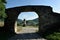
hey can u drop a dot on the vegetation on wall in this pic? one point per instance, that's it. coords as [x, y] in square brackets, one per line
[53, 36]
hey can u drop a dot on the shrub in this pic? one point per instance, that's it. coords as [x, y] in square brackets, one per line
[54, 36]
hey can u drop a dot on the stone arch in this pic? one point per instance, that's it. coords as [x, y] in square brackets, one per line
[25, 11]
[12, 14]
[28, 13]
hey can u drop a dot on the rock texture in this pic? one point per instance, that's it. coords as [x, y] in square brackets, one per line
[47, 18]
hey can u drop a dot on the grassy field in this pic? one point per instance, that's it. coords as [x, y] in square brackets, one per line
[25, 29]
[18, 28]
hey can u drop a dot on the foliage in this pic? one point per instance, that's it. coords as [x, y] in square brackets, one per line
[33, 22]
[54, 36]
[2, 9]
[4, 1]
[19, 24]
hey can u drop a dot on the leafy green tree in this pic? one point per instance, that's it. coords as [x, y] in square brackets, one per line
[4, 1]
[2, 9]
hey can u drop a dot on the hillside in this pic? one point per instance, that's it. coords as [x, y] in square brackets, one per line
[28, 22]
[19, 20]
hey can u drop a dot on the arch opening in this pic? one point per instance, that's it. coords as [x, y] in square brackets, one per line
[27, 21]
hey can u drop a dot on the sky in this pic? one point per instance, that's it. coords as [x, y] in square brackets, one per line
[55, 4]
[28, 15]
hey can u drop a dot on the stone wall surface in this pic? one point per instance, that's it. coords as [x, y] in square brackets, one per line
[47, 18]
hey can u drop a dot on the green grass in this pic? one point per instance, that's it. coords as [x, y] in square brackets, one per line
[19, 28]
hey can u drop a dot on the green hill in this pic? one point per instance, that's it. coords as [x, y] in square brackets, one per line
[19, 22]
[28, 22]
[32, 22]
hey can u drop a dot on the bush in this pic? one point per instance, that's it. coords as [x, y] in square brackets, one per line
[54, 36]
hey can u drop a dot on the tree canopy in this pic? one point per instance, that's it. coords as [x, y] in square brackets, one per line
[4, 1]
[2, 9]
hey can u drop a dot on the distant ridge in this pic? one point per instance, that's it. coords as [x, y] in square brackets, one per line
[31, 22]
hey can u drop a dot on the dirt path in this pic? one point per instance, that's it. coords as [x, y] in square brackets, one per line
[28, 30]
[27, 33]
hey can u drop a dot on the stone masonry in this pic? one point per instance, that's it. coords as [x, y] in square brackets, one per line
[47, 18]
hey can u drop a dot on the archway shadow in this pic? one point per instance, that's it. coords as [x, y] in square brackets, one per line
[3, 35]
[25, 36]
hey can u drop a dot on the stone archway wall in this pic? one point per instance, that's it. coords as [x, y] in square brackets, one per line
[45, 13]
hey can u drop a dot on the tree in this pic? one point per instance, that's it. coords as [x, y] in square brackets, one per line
[24, 22]
[2, 9]
[4, 1]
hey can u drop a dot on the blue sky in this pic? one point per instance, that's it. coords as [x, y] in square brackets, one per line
[32, 15]
[28, 15]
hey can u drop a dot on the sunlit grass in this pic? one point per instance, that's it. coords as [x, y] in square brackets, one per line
[20, 28]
